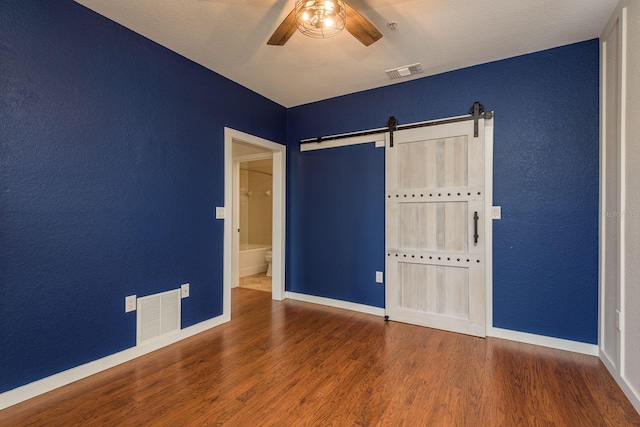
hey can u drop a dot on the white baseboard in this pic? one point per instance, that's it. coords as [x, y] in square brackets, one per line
[541, 340]
[52, 382]
[362, 308]
[632, 394]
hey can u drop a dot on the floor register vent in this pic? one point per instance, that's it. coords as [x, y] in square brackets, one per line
[158, 314]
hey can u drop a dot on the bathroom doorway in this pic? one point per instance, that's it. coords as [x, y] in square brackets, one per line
[253, 210]
[254, 179]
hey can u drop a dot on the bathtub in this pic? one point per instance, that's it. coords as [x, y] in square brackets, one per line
[251, 259]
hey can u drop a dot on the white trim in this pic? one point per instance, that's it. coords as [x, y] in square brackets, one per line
[544, 341]
[380, 139]
[279, 220]
[617, 368]
[362, 308]
[60, 379]
[541, 340]
[488, 221]
[279, 224]
[622, 189]
[235, 217]
[613, 359]
[603, 198]
[614, 17]
[632, 394]
[343, 142]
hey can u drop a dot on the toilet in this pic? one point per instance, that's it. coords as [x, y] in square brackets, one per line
[267, 258]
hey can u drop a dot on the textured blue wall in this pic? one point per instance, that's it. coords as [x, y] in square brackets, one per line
[545, 179]
[339, 229]
[111, 165]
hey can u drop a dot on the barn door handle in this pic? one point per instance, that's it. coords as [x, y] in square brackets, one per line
[475, 228]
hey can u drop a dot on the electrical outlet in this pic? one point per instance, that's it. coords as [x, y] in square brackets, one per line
[184, 290]
[379, 277]
[130, 303]
[219, 212]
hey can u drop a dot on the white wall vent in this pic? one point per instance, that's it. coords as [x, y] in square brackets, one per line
[405, 71]
[158, 314]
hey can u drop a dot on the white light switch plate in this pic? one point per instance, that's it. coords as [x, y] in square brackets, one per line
[379, 277]
[496, 212]
[184, 290]
[130, 303]
[219, 212]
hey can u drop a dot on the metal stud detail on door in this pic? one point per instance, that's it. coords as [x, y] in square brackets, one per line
[435, 240]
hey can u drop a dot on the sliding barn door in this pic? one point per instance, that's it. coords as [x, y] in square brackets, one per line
[435, 211]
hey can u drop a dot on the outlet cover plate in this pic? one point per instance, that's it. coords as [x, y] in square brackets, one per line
[130, 303]
[219, 212]
[496, 212]
[184, 290]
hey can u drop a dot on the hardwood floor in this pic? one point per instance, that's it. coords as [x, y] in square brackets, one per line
[292, 363]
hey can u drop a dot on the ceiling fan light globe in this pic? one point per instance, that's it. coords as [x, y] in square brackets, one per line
[320, 18]
[305, 11]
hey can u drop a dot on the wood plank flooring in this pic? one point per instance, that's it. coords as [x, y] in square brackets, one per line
[297, 364]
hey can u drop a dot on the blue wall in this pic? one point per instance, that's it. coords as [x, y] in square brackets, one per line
[336, 223]
[545, 179]
[111, 165]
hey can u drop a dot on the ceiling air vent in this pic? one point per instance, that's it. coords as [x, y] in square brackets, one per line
[405, 71]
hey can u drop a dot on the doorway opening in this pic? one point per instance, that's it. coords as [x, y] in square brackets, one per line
[254, 214]
[253, 217]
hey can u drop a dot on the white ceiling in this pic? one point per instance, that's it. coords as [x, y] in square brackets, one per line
[230, 36]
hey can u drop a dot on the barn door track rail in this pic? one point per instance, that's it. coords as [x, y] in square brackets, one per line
[476, 112]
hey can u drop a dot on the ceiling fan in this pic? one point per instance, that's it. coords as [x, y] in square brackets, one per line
[322, 19]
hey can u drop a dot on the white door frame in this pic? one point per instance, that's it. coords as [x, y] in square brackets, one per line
[488, 223]
[279, 196]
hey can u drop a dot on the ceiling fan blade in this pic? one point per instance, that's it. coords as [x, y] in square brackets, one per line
[361, 28]
[284, 31]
